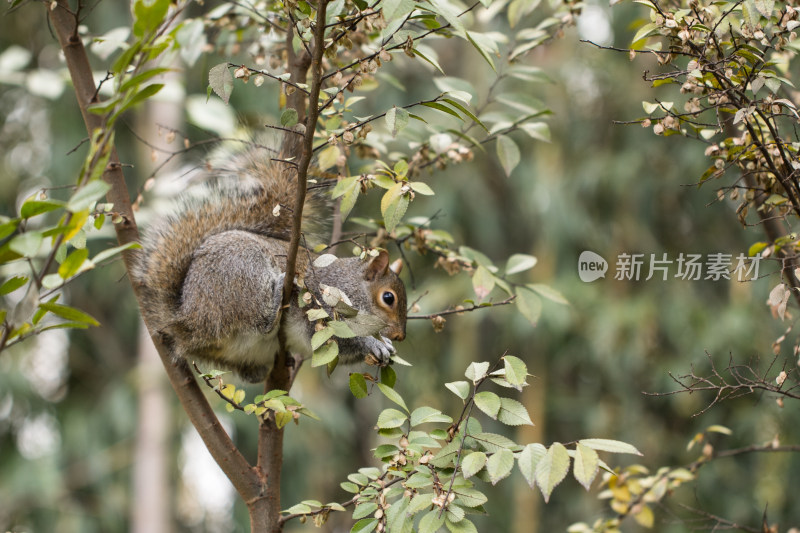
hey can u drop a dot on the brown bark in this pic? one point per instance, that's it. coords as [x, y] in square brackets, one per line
[242, 475]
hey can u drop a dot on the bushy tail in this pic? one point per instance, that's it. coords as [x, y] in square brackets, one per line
[252, 193]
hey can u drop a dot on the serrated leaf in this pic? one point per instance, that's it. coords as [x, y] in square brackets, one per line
[358, 385]
[513, 413]
[529, 457]
[607, 445]
[462, 526]
[392, 395]
[431, 522]
[419, 502]
[391, 418]
[765, 7]
[420, 187]
[87, 195]
[329, 157]
[366, 525]
[220, 80]
[499, 465]
[477, 371]
[364, 509]
[388, 376]
[585, 466]
[520, 263]
[516, 371]
[493, 442]
[551, 469]
[426, 414]
[459, 388]
[488, 402]
[472, 464]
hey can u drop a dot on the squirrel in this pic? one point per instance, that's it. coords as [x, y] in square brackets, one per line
[211, 277]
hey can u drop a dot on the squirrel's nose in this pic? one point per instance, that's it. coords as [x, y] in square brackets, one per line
[398, 336]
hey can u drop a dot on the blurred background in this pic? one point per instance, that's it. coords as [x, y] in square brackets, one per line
[92, 438]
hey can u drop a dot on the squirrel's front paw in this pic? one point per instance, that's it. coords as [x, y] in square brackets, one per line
[380, 351]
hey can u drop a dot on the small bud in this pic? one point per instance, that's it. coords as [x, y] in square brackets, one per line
[438, 323]
[781, 378]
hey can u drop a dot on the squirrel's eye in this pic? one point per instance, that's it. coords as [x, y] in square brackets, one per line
[388, 298]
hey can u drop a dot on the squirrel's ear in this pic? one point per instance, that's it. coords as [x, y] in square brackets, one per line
[377, 266]
[396, 266]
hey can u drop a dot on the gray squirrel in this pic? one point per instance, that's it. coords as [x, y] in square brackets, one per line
[211, 277]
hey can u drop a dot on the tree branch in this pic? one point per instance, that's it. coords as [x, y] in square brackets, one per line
[194, 402]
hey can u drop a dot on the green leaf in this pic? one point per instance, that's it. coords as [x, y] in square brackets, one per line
[420, 187]
[431, 522]
[520, 263]
[73, 263]
[513, 413]
[548, 292]
[516, 371]
[395, 209]
[69, 313]
[476, 371]
[26, 244]
[765, 7]
[443, 108]
[529, 304]
[87, 195]
[552, 469]
[488, 402]
[467, 112]
[148, 15]
[341, 329]
[472, 464]
[111, 252]
[358, 385]
[508, 153]
[396, 119]
[426, 414]
[586, 465]
[348, 189]
[364, 509]
[484, 46]
[462, 526]
[492, 442]
[459, 388]
[607, 445]
[499, 465]
[539, 131]
[12, 284]
[220, 80]
[140, 96]
[289, 117]
[392, 395]
[325, 354]
[365, 525]
[329, 157]
[388, 376]
[321, 337]
[528, 459]
[482, 282]
[391, 418]
[449, 12]
[31, 208]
